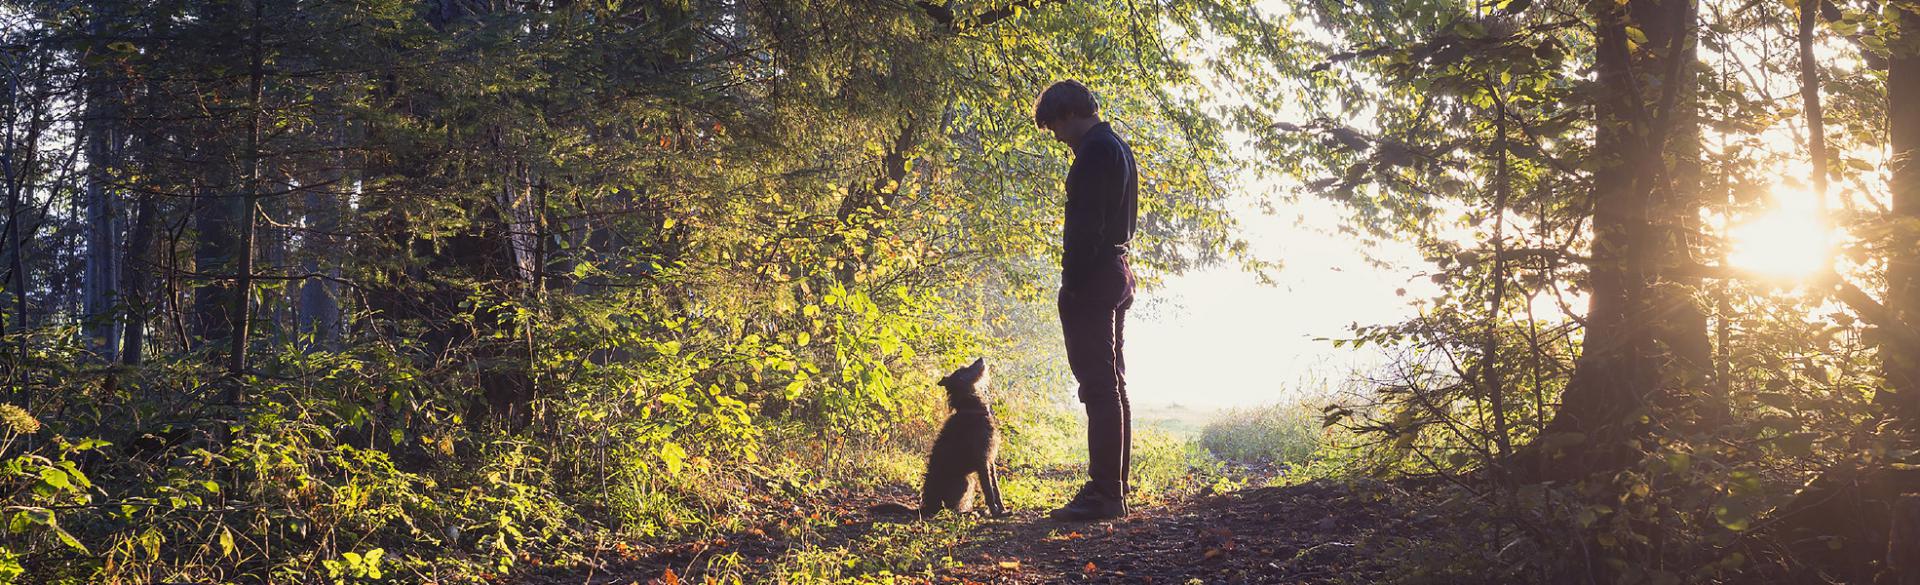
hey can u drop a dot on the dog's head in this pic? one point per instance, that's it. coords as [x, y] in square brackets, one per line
[965, 384]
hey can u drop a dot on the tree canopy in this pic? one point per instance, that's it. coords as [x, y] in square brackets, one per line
[293, 285]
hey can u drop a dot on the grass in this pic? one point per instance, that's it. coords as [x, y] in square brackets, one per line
[1278, 433]
[1045, 462]
[1177, 453]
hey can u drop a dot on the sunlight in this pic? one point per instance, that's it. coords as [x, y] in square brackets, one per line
[1791, 241]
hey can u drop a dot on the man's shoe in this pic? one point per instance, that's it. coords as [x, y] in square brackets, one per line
[1089, 505]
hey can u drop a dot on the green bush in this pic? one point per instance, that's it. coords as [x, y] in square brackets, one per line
[1278, 433]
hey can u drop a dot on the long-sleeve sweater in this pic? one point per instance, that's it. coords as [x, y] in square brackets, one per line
[1102, 203]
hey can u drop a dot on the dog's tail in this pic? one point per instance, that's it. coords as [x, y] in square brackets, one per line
[894, 508]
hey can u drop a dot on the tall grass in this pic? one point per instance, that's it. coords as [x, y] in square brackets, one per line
[1277, 433]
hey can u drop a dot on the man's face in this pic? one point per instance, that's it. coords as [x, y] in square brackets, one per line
[1059, 132]
[1069, 129]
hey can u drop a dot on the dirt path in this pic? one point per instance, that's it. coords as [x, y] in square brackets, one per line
[1322, 532]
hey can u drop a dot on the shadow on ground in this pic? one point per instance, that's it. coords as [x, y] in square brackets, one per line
[1322, 532]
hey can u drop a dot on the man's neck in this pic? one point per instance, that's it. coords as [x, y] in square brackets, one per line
[1080, 127]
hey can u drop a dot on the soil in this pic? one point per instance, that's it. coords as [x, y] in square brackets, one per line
[1322, 532]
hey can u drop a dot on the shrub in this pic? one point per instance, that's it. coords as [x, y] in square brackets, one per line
[1278, 433]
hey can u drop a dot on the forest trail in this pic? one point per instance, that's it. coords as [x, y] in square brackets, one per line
[1321, 532]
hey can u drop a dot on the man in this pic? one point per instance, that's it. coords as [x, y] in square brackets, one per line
[1096, 288]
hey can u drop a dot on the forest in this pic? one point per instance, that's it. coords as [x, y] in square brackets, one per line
[659, 291]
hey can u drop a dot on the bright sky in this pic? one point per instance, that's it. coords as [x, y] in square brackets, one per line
[1217, 337]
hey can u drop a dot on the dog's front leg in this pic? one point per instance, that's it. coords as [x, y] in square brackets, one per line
[990, 487]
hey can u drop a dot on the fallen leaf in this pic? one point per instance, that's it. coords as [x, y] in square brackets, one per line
[1010, 565]
[1090, 569]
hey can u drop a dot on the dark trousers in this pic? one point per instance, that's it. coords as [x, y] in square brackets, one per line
[1093, 317]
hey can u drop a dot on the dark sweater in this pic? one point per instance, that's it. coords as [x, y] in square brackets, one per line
[1102, 202]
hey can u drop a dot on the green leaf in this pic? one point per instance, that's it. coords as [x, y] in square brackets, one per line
[1679, 462]
[674, 456]
[67, 539]
[1637, 36]
[56, 478]
[373, 563]
[1735, 514]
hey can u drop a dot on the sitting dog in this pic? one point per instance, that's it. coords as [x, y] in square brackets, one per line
[962, 453]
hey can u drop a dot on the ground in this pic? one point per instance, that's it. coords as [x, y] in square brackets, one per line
[1319, 532]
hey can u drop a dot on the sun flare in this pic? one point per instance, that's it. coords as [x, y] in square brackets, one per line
[1791, 241]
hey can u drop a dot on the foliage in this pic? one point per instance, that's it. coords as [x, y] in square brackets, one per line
[378, 291]
[1488, 135]
[1285, 434]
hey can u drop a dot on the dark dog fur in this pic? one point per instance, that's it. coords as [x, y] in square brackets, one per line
[963, 453]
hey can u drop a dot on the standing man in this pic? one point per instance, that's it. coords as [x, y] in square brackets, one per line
[1096, 288]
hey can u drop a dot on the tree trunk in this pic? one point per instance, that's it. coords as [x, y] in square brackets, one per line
[216, 245]
[136, 275]
[237, 355]
[868, 206]
[1680, 319]
[1638, 332]
[1496, 299]
[141, 261]
[1900, 364]
[1903, 541]
[16, 283]
[320, 243]
[100, 327]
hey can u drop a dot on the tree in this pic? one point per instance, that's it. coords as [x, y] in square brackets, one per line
[1645, 344]
[103, 303]
[1902, 363]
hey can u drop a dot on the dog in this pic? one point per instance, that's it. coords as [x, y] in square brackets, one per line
[963, 453]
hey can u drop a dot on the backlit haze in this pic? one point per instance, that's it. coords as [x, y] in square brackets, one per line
[1217, 337]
